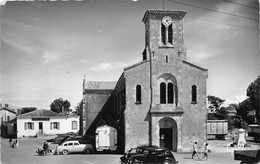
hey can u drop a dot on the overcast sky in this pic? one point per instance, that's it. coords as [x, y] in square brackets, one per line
[48, 47]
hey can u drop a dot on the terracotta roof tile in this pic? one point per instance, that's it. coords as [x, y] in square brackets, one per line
[40, 113]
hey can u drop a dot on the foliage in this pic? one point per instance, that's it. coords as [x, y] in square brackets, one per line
[27, 109]
[236, 122]
[221, 113]
[246, 111]
[253, 92]
[77, 108]
[60, 105]
[215, 105]
[214, 102]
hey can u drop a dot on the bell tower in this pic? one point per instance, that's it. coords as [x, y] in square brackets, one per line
[164, 34]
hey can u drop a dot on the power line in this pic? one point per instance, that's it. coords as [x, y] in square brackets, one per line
[241, 4]
[213, 10]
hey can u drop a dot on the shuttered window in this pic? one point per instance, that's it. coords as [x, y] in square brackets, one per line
[74, 125]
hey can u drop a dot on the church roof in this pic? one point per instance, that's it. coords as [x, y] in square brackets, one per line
[100, 85]
[40, 113]
[134, 65]
[193, 65]
[175, 14]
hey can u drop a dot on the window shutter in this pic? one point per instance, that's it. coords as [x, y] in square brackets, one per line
[50, 125]
[32, 126]
[58, 125]
[25, 126]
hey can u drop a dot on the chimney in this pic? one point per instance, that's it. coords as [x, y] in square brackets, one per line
[6, 105]
[19, 111]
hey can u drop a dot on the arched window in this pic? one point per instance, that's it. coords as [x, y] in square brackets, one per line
[138, 94]
[170, 34]
[163, 31]
[170, 93]
[194, 94]
[163, 93]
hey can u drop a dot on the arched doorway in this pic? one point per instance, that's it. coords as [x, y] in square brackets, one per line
[168, 133]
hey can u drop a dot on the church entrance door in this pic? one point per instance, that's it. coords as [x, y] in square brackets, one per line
[168, 133]
[166, 138]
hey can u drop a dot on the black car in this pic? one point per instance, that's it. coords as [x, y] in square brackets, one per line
[133, 151]
[153, 156]
[61, 137]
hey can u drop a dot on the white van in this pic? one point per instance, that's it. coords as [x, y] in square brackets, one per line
[106, 138]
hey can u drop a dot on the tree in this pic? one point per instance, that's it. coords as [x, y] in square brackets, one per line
[253, 92]
[221, 113]
[246, 111]
[214, 102]
[27, 109]
[215, 105]
[60, 106]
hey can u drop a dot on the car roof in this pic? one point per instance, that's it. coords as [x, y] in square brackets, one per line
[153, 148]
[71, 141]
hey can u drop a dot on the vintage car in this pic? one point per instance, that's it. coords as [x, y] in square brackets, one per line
[153, 156]
[73, 147]
[148, 154]
[61, 137]
[133, 151]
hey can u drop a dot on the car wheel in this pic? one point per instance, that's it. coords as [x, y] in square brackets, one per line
[167, 162]
[87, 151]
[137, 161]
[128, 160]
[65, 152]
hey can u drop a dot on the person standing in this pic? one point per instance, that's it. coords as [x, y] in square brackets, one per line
[10, 142]
[195, 150]
[49, 149]
[16, 143]
[45, 147]
[206, 151]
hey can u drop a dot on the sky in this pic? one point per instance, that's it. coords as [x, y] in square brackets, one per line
[48, 47]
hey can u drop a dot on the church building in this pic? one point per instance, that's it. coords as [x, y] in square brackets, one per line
[160, 100]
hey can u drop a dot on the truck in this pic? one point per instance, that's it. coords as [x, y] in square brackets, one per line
[254, 131]
[106, 138]
[217, 129]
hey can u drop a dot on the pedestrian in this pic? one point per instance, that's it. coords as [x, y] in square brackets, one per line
[48, 148]
[45, 147]
[206, 151]
[10, 142]
[195, 150]
[15, 144]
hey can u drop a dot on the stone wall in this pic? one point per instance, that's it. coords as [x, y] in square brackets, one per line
[136, 114]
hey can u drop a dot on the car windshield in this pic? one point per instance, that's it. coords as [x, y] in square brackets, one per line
[139, 150]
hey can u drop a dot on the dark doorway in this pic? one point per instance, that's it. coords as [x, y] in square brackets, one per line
[40, 126]
[166, 138]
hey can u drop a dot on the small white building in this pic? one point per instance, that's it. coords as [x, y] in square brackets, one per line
[45, 122]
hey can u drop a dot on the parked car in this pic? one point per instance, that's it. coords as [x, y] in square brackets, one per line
[62, 137]
[153, 156]
[133, 151]
[81, 139]
[73, 147]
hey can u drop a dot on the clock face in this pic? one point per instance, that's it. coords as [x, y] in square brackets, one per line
[166, 20]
